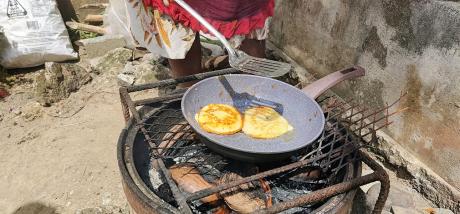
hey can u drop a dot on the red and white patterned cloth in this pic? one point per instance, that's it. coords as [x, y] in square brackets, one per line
[163, 27]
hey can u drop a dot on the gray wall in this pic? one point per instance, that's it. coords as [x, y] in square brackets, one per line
[405, 45]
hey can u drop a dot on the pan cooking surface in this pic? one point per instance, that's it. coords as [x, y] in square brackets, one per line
[302, 112]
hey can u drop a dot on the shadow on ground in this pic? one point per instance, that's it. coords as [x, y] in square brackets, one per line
[35, 208]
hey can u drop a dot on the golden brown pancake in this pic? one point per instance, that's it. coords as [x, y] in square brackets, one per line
[264, 123]
[220, 119]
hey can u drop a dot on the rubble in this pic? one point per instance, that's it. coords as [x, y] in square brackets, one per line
[58, 80]
[113, 61]
[144, 71]
[32, 111]
[99, 46]
[396, 197]
[151, 57]
[420, 177]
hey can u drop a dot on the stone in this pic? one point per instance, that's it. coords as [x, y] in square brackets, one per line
[114, 61]
[396, 197]
[421, 178]
[151, 57]
[58, 81]
[436, 211]
[16, 111]
[404, 210]
[99, 46]
[31, 111]
[125, 79]
[144, 72]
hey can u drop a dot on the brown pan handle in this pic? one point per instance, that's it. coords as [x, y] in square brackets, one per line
[320, 86]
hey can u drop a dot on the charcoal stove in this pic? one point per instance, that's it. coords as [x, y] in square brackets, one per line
[157, 137]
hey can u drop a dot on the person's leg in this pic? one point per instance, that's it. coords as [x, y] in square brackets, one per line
[190, 65]
[254, 47]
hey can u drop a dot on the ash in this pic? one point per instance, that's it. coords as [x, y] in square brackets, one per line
[213, 166]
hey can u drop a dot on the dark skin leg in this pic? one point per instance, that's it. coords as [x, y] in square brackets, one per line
[254, 47]
[192, 62]
[188, 66]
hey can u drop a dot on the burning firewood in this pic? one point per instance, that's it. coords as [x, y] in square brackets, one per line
[189, 179]
[307, 176]
[241, 199]
[174, 134]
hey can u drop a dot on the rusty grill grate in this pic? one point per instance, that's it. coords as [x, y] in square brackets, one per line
[349, 127]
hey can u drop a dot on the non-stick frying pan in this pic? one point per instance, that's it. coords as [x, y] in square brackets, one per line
[298, 107]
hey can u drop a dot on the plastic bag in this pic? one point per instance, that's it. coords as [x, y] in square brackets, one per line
[34, 33]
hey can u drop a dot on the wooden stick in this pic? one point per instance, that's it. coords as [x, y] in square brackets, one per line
[95, 5]
[94, 18]
[85, 27]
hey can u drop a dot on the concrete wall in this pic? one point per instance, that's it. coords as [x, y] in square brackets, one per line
[405, 45]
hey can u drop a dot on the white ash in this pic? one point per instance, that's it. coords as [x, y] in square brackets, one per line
[155, 178]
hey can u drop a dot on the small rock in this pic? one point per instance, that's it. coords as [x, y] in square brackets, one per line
[16, 111]
[58, 81]
[403, 210]
[125, 79]
[31, 111]
[151, 57]
[99, 46]
[436, 211]
[113, 61]
[396, 197]
[9, 135]
[129, 68]
[145, 73]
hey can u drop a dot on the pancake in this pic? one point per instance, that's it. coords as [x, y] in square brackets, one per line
[220, 119]
[264, 123]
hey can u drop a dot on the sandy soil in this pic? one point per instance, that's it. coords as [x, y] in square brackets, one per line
[61, 158]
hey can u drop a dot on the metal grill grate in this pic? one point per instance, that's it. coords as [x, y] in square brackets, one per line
[349, 127]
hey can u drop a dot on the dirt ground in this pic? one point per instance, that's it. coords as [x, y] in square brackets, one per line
[61, 158]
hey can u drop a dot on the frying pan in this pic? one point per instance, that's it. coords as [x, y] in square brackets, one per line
[298, 107]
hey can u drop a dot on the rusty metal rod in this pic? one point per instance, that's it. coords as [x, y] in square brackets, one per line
[209, 191]
[183, 206]
[158, 99]
[321, 194]
[379, 174]
[382, 177]
[124, 106]
[189, 78]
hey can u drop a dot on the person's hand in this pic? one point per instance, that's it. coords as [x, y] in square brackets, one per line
[166, 2]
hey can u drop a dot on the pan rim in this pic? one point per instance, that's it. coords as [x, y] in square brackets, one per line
[205, 134]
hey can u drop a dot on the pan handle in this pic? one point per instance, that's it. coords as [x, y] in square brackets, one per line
[318, 87]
